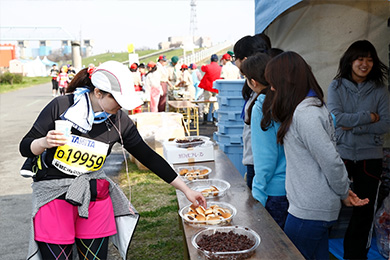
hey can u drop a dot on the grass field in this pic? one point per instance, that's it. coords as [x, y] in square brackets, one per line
[157, 235]
[118, 56]
[124, 56]
[27, 82]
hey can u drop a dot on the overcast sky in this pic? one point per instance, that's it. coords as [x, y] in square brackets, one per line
[113, 24]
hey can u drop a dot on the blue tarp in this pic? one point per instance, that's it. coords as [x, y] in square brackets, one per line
[267, 10]
[336, 249]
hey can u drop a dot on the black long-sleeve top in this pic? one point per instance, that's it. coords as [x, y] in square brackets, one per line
[104, 132]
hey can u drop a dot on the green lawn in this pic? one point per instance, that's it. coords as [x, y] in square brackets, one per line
[124, 56]
[27, 82]
[118, 56]
[157, 235]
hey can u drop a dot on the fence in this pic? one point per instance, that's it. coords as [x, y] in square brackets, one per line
[204, 54]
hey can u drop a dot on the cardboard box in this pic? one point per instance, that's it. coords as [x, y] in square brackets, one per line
[174, 154]
[156, 128]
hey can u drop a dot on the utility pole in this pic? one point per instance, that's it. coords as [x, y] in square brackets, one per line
[193, 27]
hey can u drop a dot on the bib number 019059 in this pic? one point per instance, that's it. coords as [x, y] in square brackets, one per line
[77, 157]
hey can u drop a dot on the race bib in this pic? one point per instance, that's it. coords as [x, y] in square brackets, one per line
[80, 155]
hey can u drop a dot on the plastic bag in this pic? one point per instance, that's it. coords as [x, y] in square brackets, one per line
[382, 228]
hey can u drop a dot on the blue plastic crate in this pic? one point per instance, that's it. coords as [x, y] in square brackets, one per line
[236, 159]
[230, 103]
[231, 122]
[234, 153]
[229, 87]
[231, 148]
[230, 129]
[227, 139]
[231, 117]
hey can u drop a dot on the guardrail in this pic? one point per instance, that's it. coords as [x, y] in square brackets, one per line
[204, 54]
[151, 54]
[192, 58]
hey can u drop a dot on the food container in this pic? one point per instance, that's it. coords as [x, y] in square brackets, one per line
[239, 230]
[191, 141]
[210, 188]
[229, 210]
[190, 173]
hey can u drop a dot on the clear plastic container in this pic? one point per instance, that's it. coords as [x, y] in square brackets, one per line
[210, 188]
[228, 208]
[190, 173]
[242, 254]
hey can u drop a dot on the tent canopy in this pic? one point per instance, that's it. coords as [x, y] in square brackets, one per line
[266, 11]
[321, 30]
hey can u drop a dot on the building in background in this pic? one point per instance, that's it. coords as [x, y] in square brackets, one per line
[7, 53]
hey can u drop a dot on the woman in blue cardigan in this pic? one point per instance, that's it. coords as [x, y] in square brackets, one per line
[268, 184]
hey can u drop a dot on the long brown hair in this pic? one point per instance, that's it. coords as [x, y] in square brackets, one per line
[292, 78]
[81, 79]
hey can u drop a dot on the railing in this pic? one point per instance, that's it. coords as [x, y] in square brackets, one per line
[192, 58]
[151, 54]
[204, 54]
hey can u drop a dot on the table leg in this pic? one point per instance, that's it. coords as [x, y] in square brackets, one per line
[210, 114]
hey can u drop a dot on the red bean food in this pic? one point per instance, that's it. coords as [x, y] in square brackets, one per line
[226, 242]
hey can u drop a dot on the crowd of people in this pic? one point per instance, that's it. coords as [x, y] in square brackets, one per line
[163, 79]
[304, 156]
[60, 78]
[168, 80]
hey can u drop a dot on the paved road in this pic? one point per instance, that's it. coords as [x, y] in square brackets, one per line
[18, 110]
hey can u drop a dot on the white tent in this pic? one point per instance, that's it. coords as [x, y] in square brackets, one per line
[35, 68]
[48, 64]
[321, 30]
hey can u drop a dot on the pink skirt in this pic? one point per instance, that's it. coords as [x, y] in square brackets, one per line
[58, 221]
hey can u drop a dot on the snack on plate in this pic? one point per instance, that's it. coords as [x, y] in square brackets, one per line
[212, 191]
[191, 141]
[215, 242]
[183, 172]
[192, 173]
[212, 215]
[210, 188]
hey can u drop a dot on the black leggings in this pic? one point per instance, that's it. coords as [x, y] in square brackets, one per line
[87, 249]
[366, 176]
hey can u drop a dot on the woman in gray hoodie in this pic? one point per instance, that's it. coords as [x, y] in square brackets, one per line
[316, 178]
[359, 100]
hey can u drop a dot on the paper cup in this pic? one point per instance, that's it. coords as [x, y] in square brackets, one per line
[64, 126]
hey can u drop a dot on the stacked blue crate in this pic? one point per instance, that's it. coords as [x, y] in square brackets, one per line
[230, 124]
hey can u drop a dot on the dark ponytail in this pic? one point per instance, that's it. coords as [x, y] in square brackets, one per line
[81, 79]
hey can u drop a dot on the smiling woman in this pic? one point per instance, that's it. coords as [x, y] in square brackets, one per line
[359, 100]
